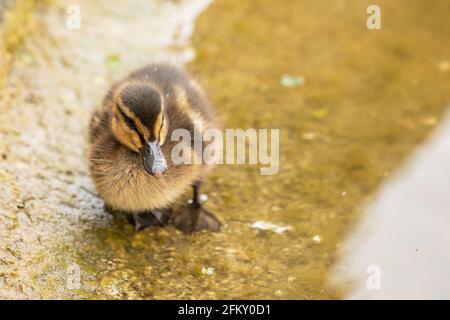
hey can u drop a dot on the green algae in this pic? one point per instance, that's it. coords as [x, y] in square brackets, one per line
[19, 22]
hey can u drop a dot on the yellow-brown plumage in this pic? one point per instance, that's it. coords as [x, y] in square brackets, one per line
[115, 164]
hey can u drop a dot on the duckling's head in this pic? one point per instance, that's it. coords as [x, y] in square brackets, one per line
[139, 122]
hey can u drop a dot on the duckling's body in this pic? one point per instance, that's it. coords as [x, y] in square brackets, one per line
[120, 129]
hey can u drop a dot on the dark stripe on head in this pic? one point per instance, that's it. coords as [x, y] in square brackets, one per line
[144, 102]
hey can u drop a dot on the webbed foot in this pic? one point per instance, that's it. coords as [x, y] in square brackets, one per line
[195, 218]
[142, 220]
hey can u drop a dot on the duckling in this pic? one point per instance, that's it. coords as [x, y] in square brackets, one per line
[130, 148]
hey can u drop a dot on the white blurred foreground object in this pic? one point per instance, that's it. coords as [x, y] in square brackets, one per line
[402, 248]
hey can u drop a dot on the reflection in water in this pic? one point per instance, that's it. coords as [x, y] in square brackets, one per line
[405, 233]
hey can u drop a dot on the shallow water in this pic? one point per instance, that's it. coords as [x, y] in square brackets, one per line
[368, 99]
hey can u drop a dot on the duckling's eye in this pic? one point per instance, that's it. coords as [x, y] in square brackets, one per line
[130, 123]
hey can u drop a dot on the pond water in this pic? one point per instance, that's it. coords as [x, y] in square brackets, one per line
[351, 105]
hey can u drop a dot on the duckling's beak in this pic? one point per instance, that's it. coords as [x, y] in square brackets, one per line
[153, 159]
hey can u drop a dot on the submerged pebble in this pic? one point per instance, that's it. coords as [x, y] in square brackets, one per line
[317, 238]
[289, 81]
[264, 225]
[208, 271]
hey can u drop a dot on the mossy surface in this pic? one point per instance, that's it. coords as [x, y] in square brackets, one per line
[18, 22]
